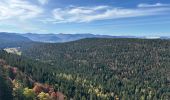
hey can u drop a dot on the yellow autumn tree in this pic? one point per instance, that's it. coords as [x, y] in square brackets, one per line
[29, 94]
[43, 96]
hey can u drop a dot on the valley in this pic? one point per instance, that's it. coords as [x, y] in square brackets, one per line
[98, 68]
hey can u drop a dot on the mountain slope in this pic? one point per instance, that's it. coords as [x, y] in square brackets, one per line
[16, 85]
[12, 40]
[99, 68]
[12, 37]
[108, 68]
[5, 86]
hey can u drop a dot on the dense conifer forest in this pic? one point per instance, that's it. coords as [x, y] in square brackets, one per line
[96, 69]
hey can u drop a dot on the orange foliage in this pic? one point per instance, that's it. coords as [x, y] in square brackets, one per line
[57, 96]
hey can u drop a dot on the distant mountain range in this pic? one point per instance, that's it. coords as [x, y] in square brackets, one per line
[54, 38]
[59, 38]
[12, 40]
[12, 37]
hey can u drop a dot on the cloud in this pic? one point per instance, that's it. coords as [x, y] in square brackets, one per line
[18, 9]
[43, 2]
[152, 5]
[24, 9]
[89, 14]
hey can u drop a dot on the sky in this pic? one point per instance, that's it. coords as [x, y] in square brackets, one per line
[111, 17]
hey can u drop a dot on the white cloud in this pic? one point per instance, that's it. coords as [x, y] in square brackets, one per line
[88, 14]
[24, 9]
[152, 5]
[43, 2]
[18, 9]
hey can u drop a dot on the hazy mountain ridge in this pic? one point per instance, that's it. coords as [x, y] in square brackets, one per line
[54, 38]
[8, 40]
[12, 37]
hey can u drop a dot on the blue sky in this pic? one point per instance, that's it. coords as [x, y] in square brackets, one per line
[113, 17]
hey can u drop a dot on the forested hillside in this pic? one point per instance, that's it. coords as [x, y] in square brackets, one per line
[100, 69]
[17, 85]
[5, 86]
